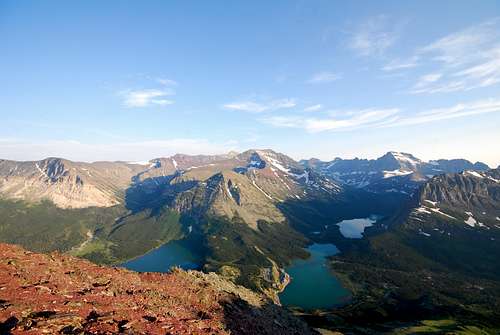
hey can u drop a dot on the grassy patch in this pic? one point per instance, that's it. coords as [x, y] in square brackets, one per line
[445, 326]
[43, 227]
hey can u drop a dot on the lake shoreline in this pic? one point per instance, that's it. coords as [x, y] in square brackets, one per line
[191, 259]
[313, 284]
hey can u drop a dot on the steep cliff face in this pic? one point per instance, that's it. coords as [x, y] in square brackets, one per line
[477, 191]
[229, 194]
[57, 294]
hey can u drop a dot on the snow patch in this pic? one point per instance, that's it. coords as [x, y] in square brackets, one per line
[405, 158]
[303, 175]
[274, 162]
[473, 173]
[395, 173]
[493, 179]
[470, 220]
[228, 192]
[277, 176]
[424, 233]
[438, 210]
[423, 209]
[393, 190]
[41, 171]
[267, 195]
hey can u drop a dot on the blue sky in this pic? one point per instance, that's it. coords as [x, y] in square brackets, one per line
[134, 80]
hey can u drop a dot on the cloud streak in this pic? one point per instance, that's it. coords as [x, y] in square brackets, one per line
[313, 108]
[457, 111]
[461, 61]
[400, 64]
[358, 119]
[382, 118]
[323, 78]
[260, 107]
[149, 97]
[146, 98]
[373, 37]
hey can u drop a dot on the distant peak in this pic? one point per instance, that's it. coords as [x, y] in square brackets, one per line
[52, 159]
[260, 151]
[405, 157]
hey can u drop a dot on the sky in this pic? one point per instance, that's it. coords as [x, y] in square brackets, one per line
[135, 80]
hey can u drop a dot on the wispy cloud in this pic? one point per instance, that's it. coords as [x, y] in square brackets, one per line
[260, 107]
[426, 80]
[378, 118]
[159, 93]
[457, 111]
[356, 120]
[323, 77]
[146, 97]
[466, 60]
[464, 46]
[166, 82]
[399, 64]
[485, 73]
[313, 108]
[374, 36]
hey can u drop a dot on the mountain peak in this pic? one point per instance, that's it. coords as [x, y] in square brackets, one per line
[404, 156]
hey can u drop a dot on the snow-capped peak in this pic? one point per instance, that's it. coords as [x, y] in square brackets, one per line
[406, 158]
[272, 159]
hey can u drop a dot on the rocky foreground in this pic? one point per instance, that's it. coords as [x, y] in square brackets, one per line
[59, 294]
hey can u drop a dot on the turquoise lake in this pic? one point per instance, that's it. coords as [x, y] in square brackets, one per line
[313, 285]
[174, 253]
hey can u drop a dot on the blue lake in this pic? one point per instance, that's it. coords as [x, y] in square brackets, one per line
[174, 253]
[313, 285]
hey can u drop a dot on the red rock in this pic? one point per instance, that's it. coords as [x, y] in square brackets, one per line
[59, 294]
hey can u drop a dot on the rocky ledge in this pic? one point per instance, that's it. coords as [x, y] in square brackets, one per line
[59, 294]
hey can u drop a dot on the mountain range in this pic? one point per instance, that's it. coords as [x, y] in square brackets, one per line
[249, 215]
[393, 172]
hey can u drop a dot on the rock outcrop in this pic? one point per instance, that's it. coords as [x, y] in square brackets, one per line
[59, 294]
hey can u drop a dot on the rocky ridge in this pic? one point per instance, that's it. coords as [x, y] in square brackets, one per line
[58, 294]
[65, 183]
[393, 172]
